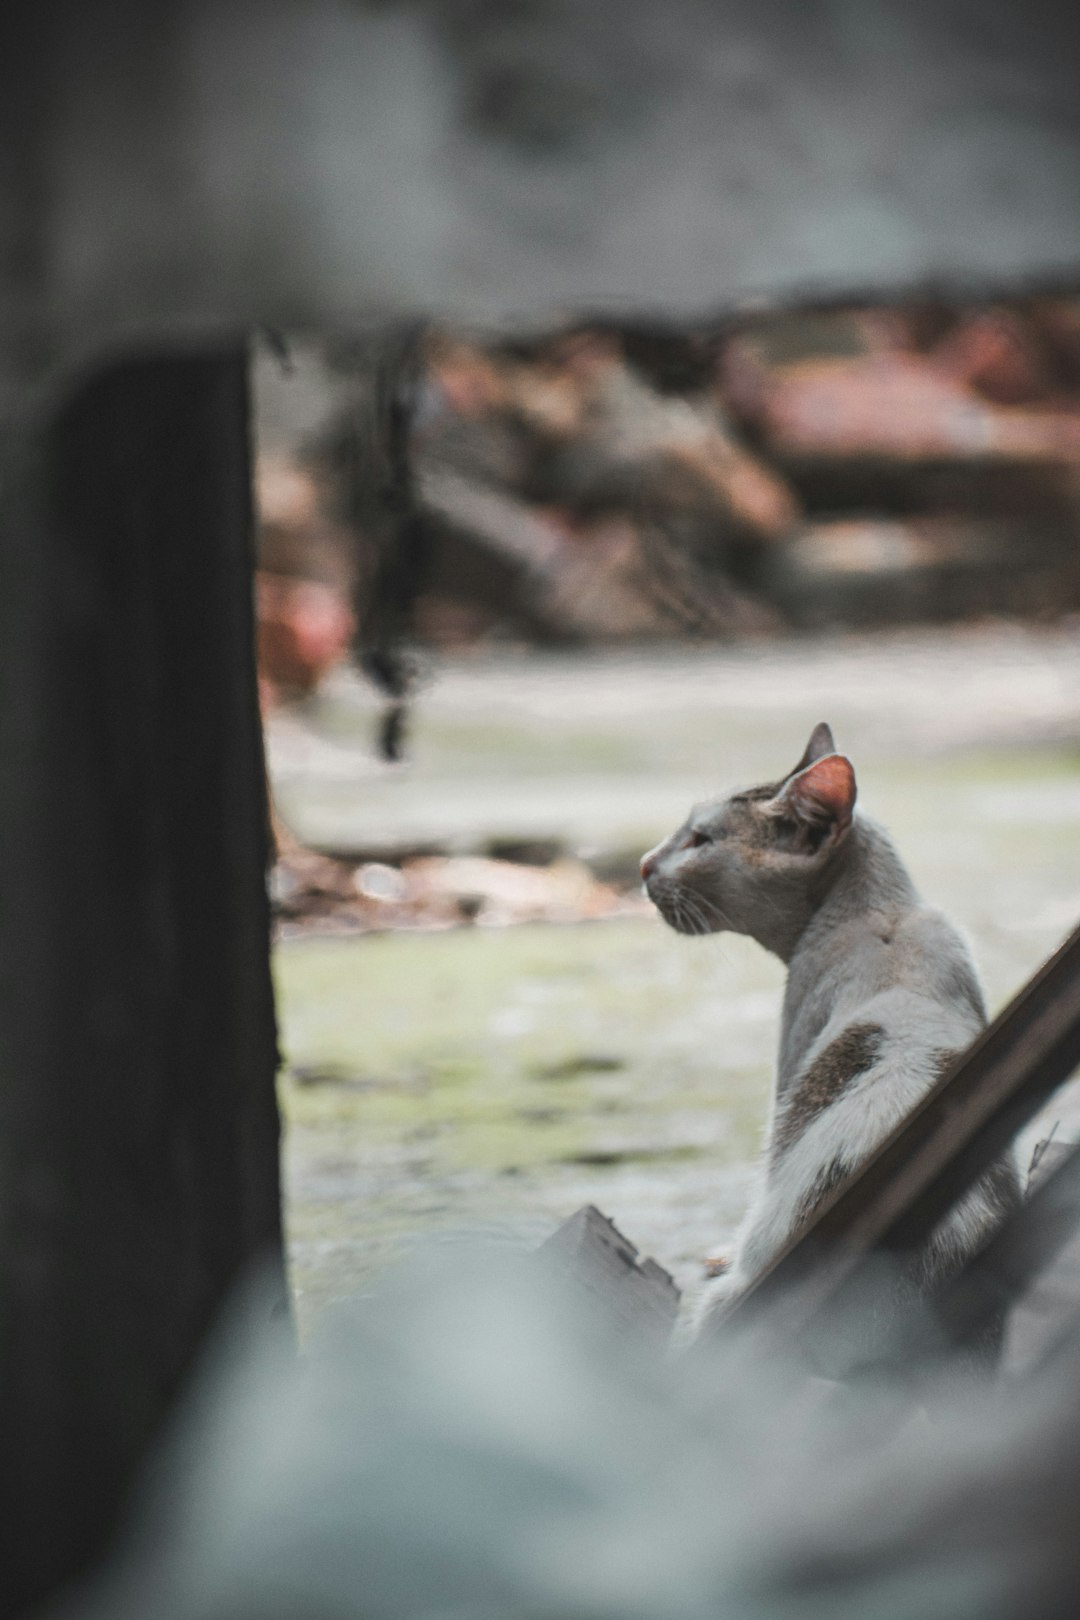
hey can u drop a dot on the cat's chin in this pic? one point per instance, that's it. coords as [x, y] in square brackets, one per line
[684, 913]
[684, 925]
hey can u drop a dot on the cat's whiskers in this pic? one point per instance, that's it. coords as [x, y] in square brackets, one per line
[682, 913]
[689, 914]
[694, 909]
[709, 908]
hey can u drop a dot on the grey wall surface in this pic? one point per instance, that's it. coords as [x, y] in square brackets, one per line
[299, 161]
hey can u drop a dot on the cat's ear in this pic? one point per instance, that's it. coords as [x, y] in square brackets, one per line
[820, 744]
[822, 797]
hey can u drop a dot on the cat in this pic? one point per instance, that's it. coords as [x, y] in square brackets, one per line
[881, 992]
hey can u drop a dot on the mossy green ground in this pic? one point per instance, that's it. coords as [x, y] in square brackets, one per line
[497, 1079]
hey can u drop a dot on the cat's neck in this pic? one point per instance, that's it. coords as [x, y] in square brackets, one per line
[864, 893]
[866, 880]
[864, 876]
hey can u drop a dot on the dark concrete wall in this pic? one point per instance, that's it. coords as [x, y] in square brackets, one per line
[299, 160]
[138, 1125]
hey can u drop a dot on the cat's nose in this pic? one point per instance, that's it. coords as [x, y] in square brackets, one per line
[648, 866]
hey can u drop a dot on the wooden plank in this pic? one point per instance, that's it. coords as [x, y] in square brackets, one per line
[893, 1202]
[640, 1294]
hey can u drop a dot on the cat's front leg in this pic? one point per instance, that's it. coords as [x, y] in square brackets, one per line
[716, 1298]
[762, 1234]
[727, 1280]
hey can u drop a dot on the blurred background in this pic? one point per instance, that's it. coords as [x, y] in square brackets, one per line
[640, 563]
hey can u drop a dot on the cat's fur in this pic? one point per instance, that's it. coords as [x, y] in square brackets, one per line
[881, 990]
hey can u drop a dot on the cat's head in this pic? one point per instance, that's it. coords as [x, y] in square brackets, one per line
[753, 863]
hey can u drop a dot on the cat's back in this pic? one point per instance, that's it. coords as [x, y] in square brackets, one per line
[903, 970]
[916, 974]
[933, 959]
[899, 999]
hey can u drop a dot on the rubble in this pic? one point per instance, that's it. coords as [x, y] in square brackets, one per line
[314, 892]
[928, 568]
[996, 354]
[305, 628]
[594, 485]
[303, 583]
[902, 408]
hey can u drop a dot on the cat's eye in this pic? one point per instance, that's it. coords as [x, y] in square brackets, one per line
[697, 838]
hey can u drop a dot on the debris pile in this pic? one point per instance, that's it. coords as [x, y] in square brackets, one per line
[830, 466]
[304, 583]
[312, 891]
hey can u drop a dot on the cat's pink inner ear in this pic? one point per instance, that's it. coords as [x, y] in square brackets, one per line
[825, 791]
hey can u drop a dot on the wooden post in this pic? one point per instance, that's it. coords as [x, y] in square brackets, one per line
[138, 1121]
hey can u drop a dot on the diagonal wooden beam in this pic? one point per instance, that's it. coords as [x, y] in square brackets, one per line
[894, 1201]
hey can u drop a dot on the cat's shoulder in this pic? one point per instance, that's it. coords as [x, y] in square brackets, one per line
[942, 961]
[933, 929]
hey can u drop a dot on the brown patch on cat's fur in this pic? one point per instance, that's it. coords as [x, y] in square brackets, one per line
[832, 1071]
[825, 1182]
[943, 1061]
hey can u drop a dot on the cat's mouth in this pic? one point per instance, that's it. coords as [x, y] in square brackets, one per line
[682, 910]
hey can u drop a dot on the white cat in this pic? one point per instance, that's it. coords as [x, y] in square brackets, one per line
[881, 990]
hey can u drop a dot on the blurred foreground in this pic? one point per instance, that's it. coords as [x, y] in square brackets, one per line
[477, 1441]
